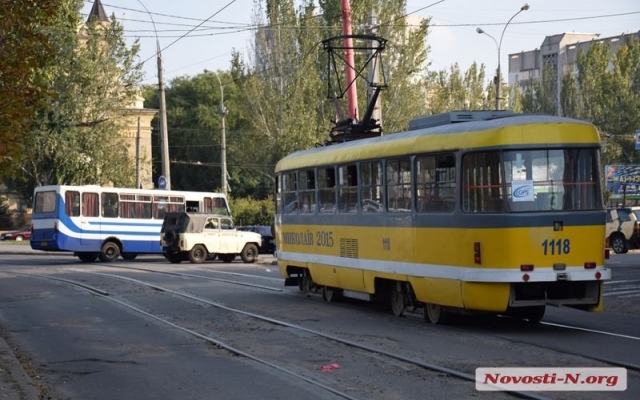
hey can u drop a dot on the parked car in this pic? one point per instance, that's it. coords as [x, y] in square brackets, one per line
[623, 228]
[197, 237]
[23, 233]
[268, 245]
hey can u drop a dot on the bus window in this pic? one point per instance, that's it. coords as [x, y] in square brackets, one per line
[399, 185]
[90, 205]
[110, 205]
[44, 202]
[371, 195]
[72, 203]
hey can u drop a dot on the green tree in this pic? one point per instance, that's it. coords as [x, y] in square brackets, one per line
[29, 34]
[540, 96]
[452, 90]
[74, 139]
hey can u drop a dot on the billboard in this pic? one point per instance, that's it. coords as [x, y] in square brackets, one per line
[622, 180]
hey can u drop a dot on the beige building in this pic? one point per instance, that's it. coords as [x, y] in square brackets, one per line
[560, 54]
[136, 136]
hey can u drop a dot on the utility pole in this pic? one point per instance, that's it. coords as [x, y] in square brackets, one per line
[138, 156]
[164, 136]
[374, 71]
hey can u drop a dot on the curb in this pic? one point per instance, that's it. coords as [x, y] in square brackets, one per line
[15, 383]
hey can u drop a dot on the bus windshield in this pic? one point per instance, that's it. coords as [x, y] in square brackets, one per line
[531, 180]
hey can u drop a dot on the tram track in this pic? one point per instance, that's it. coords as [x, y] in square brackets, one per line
[605, 360]
[228, 345]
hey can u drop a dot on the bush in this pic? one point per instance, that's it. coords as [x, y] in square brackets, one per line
[6, 220]
[249, 211]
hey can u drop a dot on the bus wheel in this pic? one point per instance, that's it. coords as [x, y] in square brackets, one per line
[435, 313]
[174, 258]
[397, 299]
[198, 254]
[87, 257]
[330, 294]
[109, 252]
[129, 256]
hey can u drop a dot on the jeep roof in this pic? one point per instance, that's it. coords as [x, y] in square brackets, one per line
[187, 222]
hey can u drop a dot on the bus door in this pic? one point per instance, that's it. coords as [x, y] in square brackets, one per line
[89, 219]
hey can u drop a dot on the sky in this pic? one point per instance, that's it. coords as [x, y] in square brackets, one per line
[452, 37]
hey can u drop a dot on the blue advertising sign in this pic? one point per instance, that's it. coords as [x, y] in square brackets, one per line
[162, 182]
[638, 139]
[622, 179]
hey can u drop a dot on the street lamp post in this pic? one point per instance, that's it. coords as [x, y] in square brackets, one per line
[223, 139]
[499, 46]
[164, 136]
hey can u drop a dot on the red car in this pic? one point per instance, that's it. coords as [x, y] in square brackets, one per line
[23, 233]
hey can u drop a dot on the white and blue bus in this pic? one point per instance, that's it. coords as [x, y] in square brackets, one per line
[106, 222]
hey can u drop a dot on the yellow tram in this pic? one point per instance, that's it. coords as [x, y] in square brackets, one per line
[465, 211]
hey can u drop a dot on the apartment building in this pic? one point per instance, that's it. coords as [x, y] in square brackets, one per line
[560, 54]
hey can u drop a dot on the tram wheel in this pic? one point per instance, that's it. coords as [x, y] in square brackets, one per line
[330, 294]
[305, 282]
[435, 313]
[397, 299]
[532, 314]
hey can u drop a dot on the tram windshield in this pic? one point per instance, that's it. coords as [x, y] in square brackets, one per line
[531, 180]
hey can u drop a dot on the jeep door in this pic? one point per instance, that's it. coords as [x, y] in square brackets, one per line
[211, 233]
[228, 237]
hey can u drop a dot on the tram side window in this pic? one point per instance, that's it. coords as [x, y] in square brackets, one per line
[72, 203]
[371, 192]
[90, 206]
[348, 189]
[278, 194]
[482, 183]
[327, 189]
[307, 191]
[110, 205]
[290, 192]
[398, 175]
[435, 183]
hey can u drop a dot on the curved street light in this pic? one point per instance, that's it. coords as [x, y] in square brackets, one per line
[499, 46]
[164, 136]
[223, 139]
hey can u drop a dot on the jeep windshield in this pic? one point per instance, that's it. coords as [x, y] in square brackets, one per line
[531, 180]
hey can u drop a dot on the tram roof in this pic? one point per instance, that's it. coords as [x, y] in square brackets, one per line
[517, 130]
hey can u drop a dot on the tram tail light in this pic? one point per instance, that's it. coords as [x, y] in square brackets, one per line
[589, 265]
[607, 254]
[477, 256]
[526, 267]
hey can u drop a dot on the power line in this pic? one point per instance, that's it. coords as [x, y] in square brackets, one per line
[213, 15]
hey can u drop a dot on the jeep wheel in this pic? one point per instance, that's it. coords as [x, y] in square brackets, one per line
[619, 244]
[227, 258]
[110, 252]
[170, 237]
[249, 254]
[198, 254]
[174, 258]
